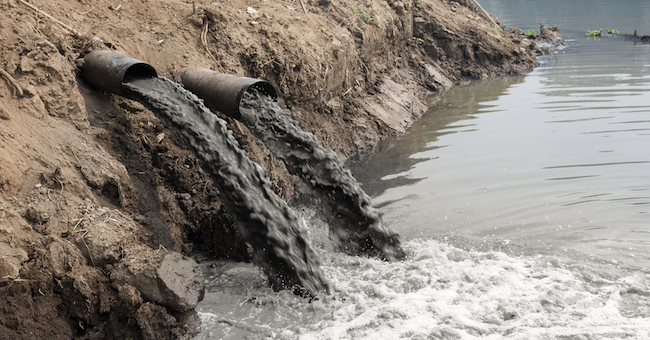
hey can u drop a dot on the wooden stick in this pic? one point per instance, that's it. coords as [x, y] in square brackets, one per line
[484, 12]
[70, 29]
[12, 81]
[303, 6]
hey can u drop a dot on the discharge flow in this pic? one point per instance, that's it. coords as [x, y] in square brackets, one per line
[355, 225]
[263, 218]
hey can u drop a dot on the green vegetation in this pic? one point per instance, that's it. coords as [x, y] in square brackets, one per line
[594, 33]
[496, 30]
[16, 278]
[363, 15]
[418, 41]
[599, 32]
[531, 33]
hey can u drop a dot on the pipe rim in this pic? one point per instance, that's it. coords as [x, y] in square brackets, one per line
[140, 70]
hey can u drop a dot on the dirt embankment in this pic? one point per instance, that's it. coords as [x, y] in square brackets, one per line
[98, 200]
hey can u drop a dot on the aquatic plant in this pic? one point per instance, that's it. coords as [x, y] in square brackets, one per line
[594, 33]
[599, 32]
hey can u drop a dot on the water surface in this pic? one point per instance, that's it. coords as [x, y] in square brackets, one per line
[556, 161]
[553, 165]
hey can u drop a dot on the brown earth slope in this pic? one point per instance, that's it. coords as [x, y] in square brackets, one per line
[95, 192]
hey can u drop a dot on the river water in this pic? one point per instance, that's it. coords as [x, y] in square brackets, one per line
[523, 203]
[554, 161]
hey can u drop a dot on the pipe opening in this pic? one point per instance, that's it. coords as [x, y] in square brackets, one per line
[266, 89]
[139, 71]
[223, 92]
[109, 71]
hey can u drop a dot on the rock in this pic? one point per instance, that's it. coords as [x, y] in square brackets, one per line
[27, 64]
[29, 90]
[37, 214]
[196, 20]
[61, 257]
[184, 278]
[35, 106]
[8, 269]
[129, 296]
[167, 278]
[4, 114]
[253, 12]
[552, 34]
[108, 232]
[11, 260]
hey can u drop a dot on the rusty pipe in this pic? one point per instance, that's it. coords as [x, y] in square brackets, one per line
[108, 70]
[223, 92]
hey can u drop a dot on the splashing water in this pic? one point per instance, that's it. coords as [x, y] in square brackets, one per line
[440, 292]
[263, 218]
[356, 225]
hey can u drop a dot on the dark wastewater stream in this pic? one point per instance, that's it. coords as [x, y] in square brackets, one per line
[263, 218]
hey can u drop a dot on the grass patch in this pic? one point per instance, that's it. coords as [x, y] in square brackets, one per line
[364, 15]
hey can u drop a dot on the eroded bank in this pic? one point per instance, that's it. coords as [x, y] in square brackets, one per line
[78, 165]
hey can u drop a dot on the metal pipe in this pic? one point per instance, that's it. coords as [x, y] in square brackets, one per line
[108, 70]
[223, 92]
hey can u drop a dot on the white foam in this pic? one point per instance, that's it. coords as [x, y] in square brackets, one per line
[442, 292]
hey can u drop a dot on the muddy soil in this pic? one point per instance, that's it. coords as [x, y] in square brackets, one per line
[99, 202]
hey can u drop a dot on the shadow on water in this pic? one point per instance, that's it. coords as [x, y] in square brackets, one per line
[452, 113]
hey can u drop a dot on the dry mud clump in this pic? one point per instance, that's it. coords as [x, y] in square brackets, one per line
[100, 204]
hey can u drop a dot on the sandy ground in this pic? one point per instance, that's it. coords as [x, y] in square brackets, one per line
[97, 198]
